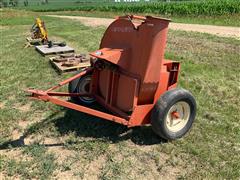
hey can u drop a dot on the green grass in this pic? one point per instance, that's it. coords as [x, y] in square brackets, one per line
[203, 7]
[214, 12]
[13, 17]
[64, 143]
[34, 163]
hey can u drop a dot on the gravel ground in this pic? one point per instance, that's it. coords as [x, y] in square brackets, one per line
[222, 31]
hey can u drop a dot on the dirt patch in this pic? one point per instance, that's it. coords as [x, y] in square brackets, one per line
[215, 30]
[158, 166]
[13, 97]
[88, 21]
[4, 27]
[23, 108]
[170, 172]
[66, 175]
[61, 153]
[145, 162]
[2, 105]
[50, 141]
[71, 162]
[15, 154]
[94, 169]
[37, 139]
[24, 124]
[16, 134]
[142, 148]
[12, 153]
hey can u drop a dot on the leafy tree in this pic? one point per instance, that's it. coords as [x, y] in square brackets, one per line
[13, 3]
[25, 3]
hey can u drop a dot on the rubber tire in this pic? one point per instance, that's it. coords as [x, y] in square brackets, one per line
[72, 88]
[161, 108]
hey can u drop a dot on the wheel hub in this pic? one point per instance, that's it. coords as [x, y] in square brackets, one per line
[84, 87]
[178, 116]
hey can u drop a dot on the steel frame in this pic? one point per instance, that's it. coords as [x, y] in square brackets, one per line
[47, 96]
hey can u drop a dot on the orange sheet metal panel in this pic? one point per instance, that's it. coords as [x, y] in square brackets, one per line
[115, 56]
[119, 93]
[137, 49]
[126, 90]
[141, 115]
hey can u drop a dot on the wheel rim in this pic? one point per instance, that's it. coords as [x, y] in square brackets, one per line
[178, 116]
[84, 87]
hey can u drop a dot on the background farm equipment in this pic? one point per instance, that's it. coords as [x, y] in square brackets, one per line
[130, 77]
[39, 36]
[39, 31]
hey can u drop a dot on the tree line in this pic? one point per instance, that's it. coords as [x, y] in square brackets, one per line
[15, 3]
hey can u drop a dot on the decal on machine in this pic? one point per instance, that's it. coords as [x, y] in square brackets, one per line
[123, 29]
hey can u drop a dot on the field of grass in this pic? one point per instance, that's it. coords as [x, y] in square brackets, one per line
[202, 7]
[43, 141]
[223, 20]
[214, 12]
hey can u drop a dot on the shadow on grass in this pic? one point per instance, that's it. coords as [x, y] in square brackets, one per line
[84, 125]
